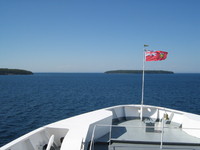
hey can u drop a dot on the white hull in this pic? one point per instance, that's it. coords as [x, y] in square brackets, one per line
[77, 132]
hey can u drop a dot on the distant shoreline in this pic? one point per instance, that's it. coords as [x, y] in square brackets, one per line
[140, 71]
[6, 71]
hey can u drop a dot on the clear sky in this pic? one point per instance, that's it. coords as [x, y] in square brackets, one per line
[98, 35]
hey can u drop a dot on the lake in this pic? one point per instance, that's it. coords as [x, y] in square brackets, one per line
[31, 101]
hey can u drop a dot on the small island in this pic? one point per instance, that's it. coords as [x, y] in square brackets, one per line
[140, 71]
[6, 71]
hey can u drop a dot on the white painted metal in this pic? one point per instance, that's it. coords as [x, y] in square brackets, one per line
[74, 130]
[50, 143]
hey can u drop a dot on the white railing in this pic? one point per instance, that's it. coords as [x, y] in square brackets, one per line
[157, 135]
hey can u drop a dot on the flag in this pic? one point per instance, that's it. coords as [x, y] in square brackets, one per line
[155, 55]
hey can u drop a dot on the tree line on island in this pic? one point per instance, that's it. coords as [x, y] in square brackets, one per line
[6, 71]
[141, 71]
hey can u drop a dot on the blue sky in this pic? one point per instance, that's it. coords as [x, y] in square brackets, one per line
[98, 35]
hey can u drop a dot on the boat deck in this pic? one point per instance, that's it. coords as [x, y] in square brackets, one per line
[147, 134]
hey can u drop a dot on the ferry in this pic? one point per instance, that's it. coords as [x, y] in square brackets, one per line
[122, 127]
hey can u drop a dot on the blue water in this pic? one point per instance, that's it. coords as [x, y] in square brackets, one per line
[29, 102]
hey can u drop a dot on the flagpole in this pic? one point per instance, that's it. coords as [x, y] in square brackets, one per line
[142, 100]
[154, 56]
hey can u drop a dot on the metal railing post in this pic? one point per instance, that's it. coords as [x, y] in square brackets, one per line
[92, 139]
[110, 136]
[161, 140]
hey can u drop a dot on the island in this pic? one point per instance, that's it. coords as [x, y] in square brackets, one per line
[6, 71]
[140, 71]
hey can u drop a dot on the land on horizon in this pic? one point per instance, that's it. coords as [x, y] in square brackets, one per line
[140, 71]
[6, 71]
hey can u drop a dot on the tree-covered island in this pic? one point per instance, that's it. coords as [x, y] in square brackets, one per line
[6, 71]
[140, 71]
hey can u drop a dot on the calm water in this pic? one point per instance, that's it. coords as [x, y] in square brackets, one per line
[29, 102]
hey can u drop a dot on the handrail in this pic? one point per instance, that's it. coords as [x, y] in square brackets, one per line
[134, 127]
[82, 144]
[92, 138]
[131, 126]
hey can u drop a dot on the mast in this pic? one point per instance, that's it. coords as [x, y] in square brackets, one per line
[142, 100]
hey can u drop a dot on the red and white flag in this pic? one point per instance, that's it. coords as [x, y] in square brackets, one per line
[155, 55]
